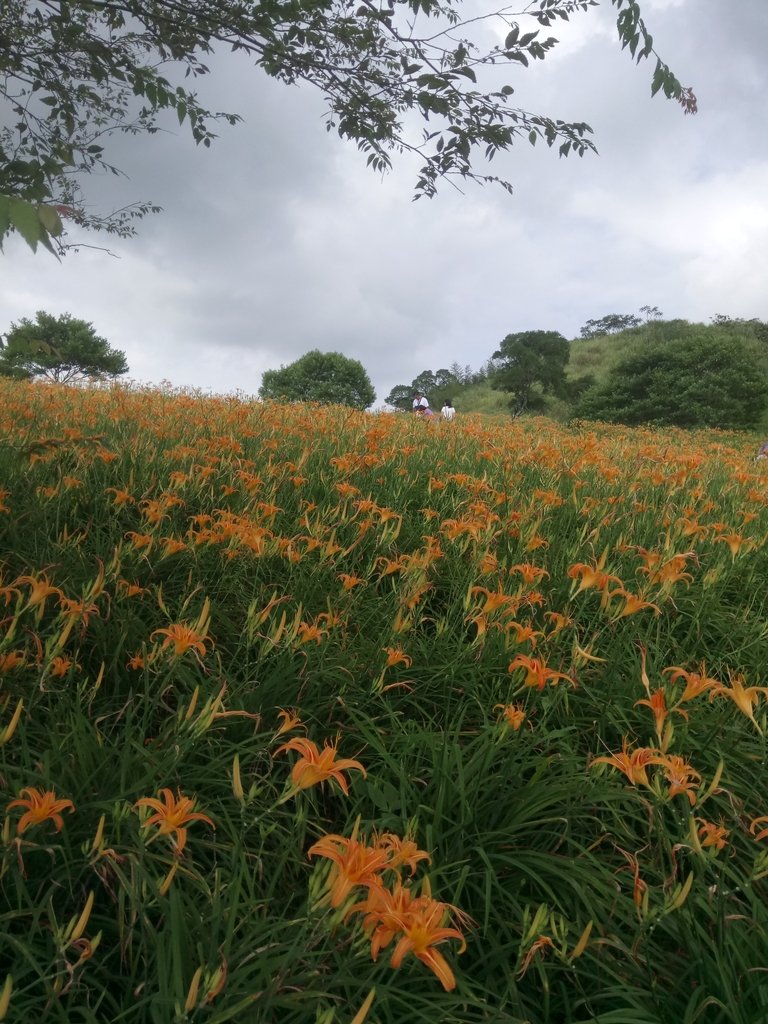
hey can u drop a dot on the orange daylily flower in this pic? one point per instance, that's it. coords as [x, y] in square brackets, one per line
[639, 887]
[385, 911]
[542, 943]
[735, 542]
[711, 834]
[495, 599]
[744, 697]
[182, 638]
[396, 656]
[354, 863]
[523, 634]
[756, 822]
[682, 778]
[40, 589]
[401, 851]
[592, 575]
[316, 765]
[424, 928]
[632, 602]
[657, 702]
[172, 546]
[390, 565]
[692, 528]
[61, 664]
[633, 764]
[346, 490]
[529, 573]
[673, 570]
[129, 589]
[122, 497]
[413, 597]
[139, 540]
[172, 816]
[559, 622]
[348, 581]
[512, 713]
[455, 529]
[696, 683]
[78, 610]
[11, 660]
[41, 805]
[310, 631]
[290, 721]
[538, 674]
[666, 571]
[488, 563]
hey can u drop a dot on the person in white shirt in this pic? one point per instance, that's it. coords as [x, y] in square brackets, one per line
[448, 412]
[421, 405]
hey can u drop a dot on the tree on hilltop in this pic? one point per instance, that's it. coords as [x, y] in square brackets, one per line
[61, 349]
[74, 74]
[611, 323]
[738, 325]
[400, 397]
[326, 377]
[529, 364]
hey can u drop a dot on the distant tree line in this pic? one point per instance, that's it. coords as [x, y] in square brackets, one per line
[665, 372]
[439, 385]
[670, 373]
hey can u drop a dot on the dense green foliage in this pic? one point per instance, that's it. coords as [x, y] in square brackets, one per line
[60, 348]
[383, 577]
[617, 370]
[705, 379]
[528, 366]
[72, 74]
[326, 377]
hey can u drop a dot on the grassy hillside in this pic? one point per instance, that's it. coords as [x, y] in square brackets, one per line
[309, 716]
[596, 357]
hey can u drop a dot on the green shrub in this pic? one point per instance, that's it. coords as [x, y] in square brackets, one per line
[707, 379]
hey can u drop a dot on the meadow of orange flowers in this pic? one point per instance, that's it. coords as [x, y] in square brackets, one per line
[308, 715]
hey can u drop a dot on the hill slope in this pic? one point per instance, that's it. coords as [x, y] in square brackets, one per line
[593, 359]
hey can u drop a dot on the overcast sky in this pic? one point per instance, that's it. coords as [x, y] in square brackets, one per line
[278, 240]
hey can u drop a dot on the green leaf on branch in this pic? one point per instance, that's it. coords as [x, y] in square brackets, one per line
[50, 220]
[107, 54]
[5, 216]
[26, 219]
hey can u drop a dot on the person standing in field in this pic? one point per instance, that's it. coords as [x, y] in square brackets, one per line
[448, 412]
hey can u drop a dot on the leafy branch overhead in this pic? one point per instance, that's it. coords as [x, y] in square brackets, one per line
[73, 75]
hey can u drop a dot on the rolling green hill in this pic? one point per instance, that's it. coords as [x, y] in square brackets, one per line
[593, 359]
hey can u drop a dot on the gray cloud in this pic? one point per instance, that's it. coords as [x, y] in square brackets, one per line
[278, 239]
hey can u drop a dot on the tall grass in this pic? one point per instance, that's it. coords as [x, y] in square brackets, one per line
[472, 612]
